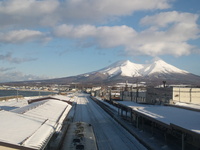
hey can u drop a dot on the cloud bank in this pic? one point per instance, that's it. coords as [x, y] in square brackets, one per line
[9, 74]
[9, 58]
[159, 38]
[30, 13]
[6, 76]
[22, 36]
[76, 19]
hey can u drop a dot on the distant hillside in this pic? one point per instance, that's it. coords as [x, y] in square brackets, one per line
[123, 71]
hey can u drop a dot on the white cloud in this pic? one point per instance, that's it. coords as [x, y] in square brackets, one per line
[3, 69]
[19, 16]
[29, 13]
[166, 33]
[98, 10]
[70, 31]
[153, 41]
[165, 18]
[7, 76]
[20, 6]
[104, 36]
[9, 58]
[21, 36]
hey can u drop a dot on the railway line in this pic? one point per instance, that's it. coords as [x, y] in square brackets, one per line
[109, 134]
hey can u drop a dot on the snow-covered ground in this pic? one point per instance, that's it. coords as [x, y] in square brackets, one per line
[109, 134]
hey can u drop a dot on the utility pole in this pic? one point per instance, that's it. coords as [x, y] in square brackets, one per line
[131, 92]
[164, 84]
[190, 95]
[136, 90]
[17, 95]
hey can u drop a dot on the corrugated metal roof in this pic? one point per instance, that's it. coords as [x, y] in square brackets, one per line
[34, 127]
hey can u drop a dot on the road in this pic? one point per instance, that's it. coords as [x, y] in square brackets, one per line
[109, 134]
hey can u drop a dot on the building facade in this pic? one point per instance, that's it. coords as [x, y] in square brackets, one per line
[165, 95]
[186, 95]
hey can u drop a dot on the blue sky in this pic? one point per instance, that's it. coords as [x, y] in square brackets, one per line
[42, 39]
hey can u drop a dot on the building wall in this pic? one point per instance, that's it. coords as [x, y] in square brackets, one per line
[159, 95]
[136, 95]
[186, 95]
[7, 148]
[162, 95]
[148, 95]
[125, 96]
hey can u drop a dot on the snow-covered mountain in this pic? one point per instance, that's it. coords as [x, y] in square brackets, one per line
[123, 68]
[130, 69]
[161, 67]
[122, 71]
[153, 73]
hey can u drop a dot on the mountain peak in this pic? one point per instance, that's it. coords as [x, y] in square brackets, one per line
[126, 61]
[160, 66]
[121, 63]
[124, 68]
[158, 60]
[130, 69]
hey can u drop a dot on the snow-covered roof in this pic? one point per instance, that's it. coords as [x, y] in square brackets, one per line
[12, 104]
[35, 125]
[186, 119]
[62, 97]
[188, 105]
